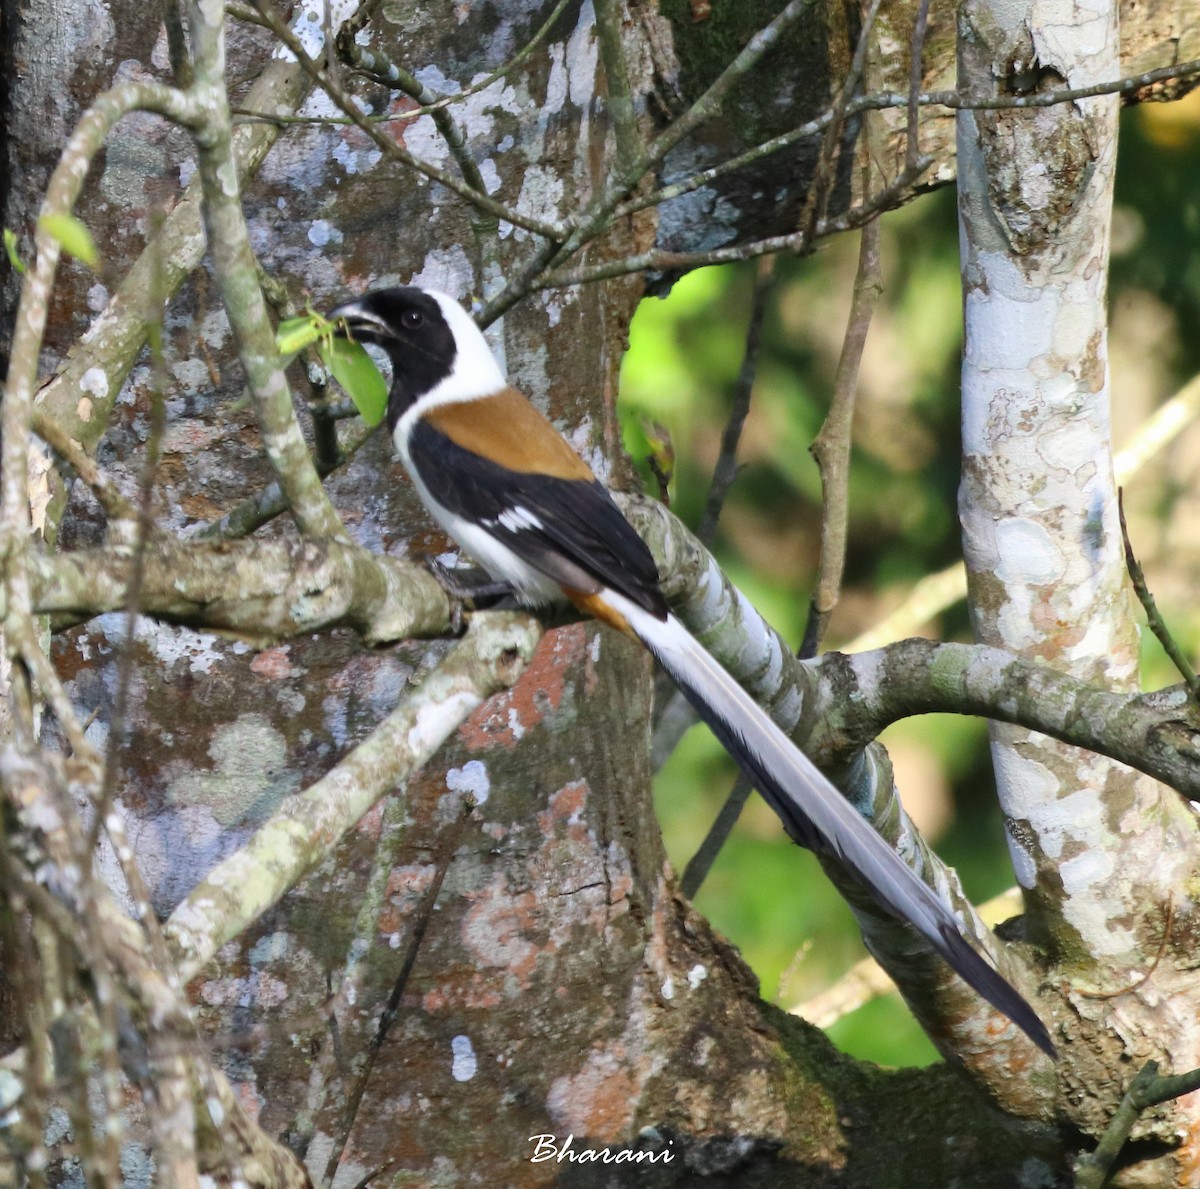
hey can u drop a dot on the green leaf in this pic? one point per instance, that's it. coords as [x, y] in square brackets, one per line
[356, 372]
[72, 236]
[294, 334]
[10, 246]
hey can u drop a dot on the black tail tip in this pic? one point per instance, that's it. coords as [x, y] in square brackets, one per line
[979, 974]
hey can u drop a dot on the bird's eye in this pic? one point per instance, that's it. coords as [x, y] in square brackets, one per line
[412, 319]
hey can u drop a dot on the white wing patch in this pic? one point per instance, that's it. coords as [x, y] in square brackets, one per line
[518, 519]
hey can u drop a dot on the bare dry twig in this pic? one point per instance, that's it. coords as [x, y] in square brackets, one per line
[421, 918]
[724, 473]
[1154, 619]
[831, 447]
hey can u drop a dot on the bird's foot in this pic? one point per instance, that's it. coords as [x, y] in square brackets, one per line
[464, 586]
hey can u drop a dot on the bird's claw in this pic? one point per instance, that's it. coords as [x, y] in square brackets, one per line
[470, 586]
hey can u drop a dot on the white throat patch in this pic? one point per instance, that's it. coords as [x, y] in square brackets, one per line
[476, 372]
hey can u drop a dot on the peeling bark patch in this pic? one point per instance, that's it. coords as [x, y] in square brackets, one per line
[273, 663]
[599, 1100]
[256, 990]
[170, 645]
[543, 688]
[1032, 200]
[583, 55]
[540, 197]
[494, 931]
[40, 494]
[1027, 552]
[566, 806]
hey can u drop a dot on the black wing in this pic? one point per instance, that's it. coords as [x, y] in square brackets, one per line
[565, 528]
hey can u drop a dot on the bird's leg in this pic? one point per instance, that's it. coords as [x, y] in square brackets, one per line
[472, 585]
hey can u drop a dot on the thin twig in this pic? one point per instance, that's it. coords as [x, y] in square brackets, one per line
[832, 451]
[1092, 1169]
[831, 446]
[251, 514]
[620, 95]
[485, 227]
[1154, 617]
[726, 468]
[835, 432]
[330, 45]
[823, 175]
[314, 383]
[385, 72]
[388, 145]
[376, 66]
[21, 963]
[884, 100]
[539, 270]
[916, 63]
[17, 408]
[700, 864]
[84, 465]
[24, 645]
[143, 533]
[375, 1172]
[177, 47]
[421, 918]
[659, 260]
[724, 473]
[710, 102]
[236, 270]
[322, 1080]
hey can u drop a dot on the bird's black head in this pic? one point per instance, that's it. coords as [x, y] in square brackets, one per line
[411, 326]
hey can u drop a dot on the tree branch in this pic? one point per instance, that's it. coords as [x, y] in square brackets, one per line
[1147, 1089]
[16, 521]
[662, 260]
[831, 446]
[237, 275]
[1156, 733]
[263, 590]
[886, 100]
[377, 67]
[271, 590]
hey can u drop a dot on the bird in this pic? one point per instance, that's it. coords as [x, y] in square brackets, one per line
[509, 489]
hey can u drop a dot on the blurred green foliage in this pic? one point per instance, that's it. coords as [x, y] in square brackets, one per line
[765, 894]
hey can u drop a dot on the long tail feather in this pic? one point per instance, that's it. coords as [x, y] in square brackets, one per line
[812, 810]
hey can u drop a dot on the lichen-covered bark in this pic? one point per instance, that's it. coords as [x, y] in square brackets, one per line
[1099, 850]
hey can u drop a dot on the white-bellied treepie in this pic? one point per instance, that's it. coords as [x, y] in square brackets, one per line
[502, 481]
